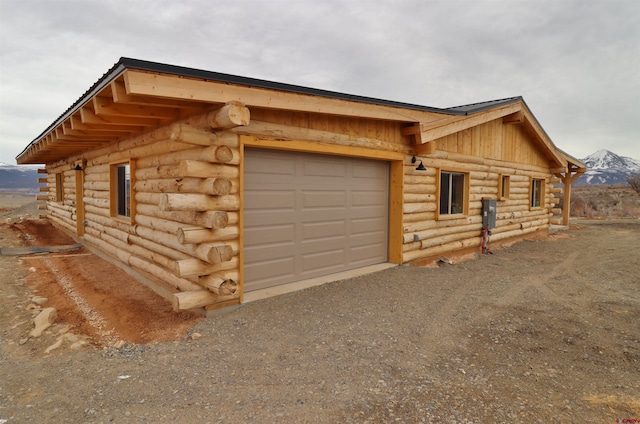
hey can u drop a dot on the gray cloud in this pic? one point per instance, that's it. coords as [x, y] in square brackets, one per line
[576, 63]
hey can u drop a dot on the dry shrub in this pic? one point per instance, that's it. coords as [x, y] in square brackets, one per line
[605, 202]
[634, 182]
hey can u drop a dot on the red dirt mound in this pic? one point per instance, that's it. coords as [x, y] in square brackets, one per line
[95, 297]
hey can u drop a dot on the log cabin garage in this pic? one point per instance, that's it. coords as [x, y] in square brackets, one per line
[208, 186]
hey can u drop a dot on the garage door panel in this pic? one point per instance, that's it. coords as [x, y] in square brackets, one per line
[270, 167]
[364, 239]
[314, 216]
[270, 200]
[323, 199]
[320, 230]
[269, 235]
[328, 262]
[367, 198]
[268, 271]
[324, 244]
[367, 226]
[369, 171]
[361, 254]
[260, 218]
[362, 212]
[324, 168]
[267, 252]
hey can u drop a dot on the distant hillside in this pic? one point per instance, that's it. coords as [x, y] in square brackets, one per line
[605, 167]
[19, 178]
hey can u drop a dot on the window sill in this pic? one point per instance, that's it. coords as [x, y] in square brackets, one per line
[450, 217]
[123, 219]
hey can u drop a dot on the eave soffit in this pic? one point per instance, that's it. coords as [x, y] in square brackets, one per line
[127, 101]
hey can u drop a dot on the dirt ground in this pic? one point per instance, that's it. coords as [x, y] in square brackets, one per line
[546, 331]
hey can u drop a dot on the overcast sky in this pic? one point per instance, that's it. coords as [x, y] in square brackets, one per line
[576, 63]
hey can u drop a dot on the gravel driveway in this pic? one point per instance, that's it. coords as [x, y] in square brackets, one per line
[542, 331]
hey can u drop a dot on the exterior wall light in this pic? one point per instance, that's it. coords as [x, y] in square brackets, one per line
[419, 167]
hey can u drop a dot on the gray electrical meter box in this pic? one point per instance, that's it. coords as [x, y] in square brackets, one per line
[489, 213]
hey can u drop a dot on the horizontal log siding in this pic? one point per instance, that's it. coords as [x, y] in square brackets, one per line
[62, 212]
[149, 244]
[425, 237]
[387, 131]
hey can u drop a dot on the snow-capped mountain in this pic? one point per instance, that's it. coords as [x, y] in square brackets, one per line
[19, 177]
[605, 167]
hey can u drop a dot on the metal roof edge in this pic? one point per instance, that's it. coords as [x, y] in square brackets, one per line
[108, 76]
[130, 63]
[481, 106]
[260, 83]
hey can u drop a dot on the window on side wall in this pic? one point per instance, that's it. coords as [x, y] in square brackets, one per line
[121, 190]
[59, 187]
[504, 187]
[453, 193]
[537, 192]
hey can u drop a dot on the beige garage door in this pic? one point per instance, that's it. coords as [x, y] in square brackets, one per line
[307, 215]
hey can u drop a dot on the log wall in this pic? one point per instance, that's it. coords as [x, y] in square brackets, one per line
[184, 188]
[184, 232]
[425, 236]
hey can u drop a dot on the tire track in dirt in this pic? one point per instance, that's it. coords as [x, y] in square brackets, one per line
[538, 282]
[436, 333]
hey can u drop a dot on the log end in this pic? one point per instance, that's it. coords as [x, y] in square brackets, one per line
[224, 154]
[216, 219]
[228, 287]
[221, 186]
[239, 115]
[220, 253]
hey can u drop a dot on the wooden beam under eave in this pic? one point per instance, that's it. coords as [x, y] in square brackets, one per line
[173, 87]
[425, 149]
[111, 133]
[81, 136]
[60, 144]
[120, 95]
[87, 132]
[414, 130]
[88, 117]
[105, 106]
[514, 118]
